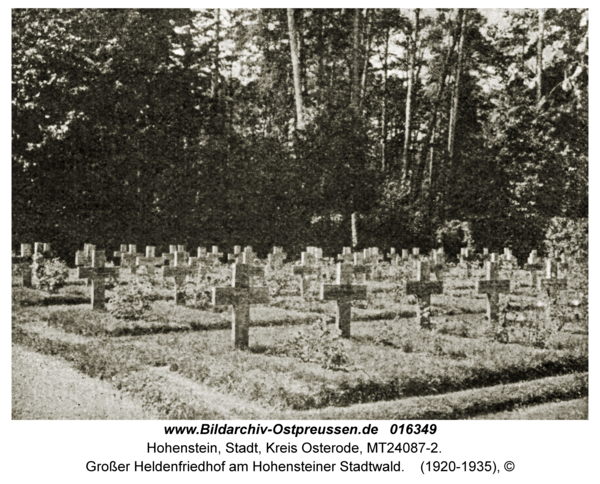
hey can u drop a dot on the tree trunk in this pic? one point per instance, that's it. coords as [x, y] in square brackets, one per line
[215, 71]
[355, 90]
[411, 77]
[540, 53]
[456, 88]
[294, 47]
[384, 107]
[363, 85]
[354, 223]
[417, 178]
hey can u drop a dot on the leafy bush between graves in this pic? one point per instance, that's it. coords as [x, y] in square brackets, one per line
[49, 274]
[453, 235]
[319, 343]
[131, 301]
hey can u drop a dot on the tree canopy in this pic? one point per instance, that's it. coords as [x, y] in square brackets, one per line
[273, 126]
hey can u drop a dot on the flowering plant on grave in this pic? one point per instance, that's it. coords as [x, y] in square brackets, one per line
[49, 274]
[131, 301]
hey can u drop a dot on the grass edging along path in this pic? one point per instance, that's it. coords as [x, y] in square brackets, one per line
[274, 382]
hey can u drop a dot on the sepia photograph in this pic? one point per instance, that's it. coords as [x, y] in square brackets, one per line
[374, 214]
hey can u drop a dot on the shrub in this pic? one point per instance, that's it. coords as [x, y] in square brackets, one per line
[49, 274]
[453, 235]
[131, 301]
[320, 344]
[567, 236]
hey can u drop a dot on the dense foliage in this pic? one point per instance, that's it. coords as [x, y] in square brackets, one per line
[159, 127]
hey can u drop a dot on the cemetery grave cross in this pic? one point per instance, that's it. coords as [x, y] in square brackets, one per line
[237, 254]
[423, 288]
[215, 255]
[129, 259]
[150, 262]
[346, 255]
[551, 283]
[492, 287]
[177, 271]
[97, 273]
[343, 292]
[277, 257]
[83, 258]
[306, 269]
[170, 256]
[200, 264]
[24, 263]
[121, 251]
[248, 257]
[533, 265]
[359, 266]
[240, 296]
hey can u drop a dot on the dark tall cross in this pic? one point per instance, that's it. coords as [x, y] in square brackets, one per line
[150, 262]
[307, 268]
[24, 263]
[277, 257]
[346, 255]
[423, 288]
[241, 295]
[533, 266]
[492, 287]
[551, 283]
[97, 273]
[343, 292]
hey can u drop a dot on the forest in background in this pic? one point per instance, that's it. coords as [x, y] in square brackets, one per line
[273, 127]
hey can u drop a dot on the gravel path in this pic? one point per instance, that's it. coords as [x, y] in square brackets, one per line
[47, 388]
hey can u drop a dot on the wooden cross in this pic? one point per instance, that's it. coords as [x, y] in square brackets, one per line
[438, 263]
[492, 287]
[214, 256]
[533, 265]
[465, 258]
[507, 254]
[343, 292]
[241, 295]
[359, 266]
[423, 288]
[236, 256]
[178, 271]
[551, 283]
[393, 256]
[150, 262]
[248, 256]
[83, 258]
[404, 254]
[24, 263]
[308, 267]
[277, 257]
[122, 250]
[346, 255]
[129, 259]
[97, 273]
[170, 256]
[415, 253]
[200, 264]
